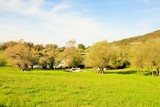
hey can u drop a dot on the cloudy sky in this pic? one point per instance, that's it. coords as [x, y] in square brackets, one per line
[86, 21]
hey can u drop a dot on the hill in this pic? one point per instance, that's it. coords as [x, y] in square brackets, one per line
[127, 43]
[140, 38]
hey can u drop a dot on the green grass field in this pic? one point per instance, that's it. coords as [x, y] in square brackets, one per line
[56, 88]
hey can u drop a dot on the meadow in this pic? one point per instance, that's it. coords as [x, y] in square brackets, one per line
[56, 88]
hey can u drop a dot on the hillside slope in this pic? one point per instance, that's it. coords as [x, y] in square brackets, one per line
[141, 38]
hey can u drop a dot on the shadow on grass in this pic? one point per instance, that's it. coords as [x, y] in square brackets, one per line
[121, 72]
[148, 73]
[2, 105]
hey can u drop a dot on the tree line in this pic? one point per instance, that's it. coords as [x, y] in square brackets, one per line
[144, 56]
[26, 55]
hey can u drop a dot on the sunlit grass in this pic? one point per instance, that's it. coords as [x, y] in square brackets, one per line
[87, 89]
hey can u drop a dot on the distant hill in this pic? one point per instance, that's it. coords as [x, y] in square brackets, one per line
[127, 43]
[141, 38]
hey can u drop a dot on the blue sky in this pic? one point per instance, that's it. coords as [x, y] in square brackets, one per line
[86, 21]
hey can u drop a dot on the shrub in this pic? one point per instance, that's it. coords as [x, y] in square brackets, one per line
[3, 61]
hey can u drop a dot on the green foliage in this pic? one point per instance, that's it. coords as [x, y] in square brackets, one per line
[28, 44]
[99, 54]
[137, 56]
[61, 49]
[81, 48]
[72, 57]
[146, 55]
[115, 55]
[51, 46]
[22, 56]
[127, 43]
[137, 39]
[38, 47]
[1, 47]
[9, 44]
[60, 89]
[105, 55]
[3, 61]
[48, 56]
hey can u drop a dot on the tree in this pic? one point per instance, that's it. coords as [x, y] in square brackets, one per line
[137, 56]
[81, 47]
[119, 59]
[146, 56]
[28, 44]
[70, 55]
[3, 61]
[51, 46]
[9, 44]
[152, 56]
[1, 47]
[48, 56]
[21, 56]
[39, 47]
[33, 57]
[61, 49]
[51, 51]
[71, 44]
[44, 60]
[101, 55]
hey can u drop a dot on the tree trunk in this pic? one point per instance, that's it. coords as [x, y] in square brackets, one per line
[158, 72]
[102, 71]
[44, 66]
[19, 66]
[152, 73]
[51, 65]
[31, 67]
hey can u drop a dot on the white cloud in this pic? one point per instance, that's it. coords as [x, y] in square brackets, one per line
[61, 6]
[47, 26]
[31, 21]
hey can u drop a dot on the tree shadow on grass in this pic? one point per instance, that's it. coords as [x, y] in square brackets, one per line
[148, 73]
[121, 72]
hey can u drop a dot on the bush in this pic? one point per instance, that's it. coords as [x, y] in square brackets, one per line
[3, 61]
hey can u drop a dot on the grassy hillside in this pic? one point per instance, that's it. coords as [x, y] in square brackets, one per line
[41, 88]
[141, 38]
[127, 43]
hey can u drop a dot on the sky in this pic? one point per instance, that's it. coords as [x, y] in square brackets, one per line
[86, 21]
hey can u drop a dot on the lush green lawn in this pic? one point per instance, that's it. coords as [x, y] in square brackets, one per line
[85, 89]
